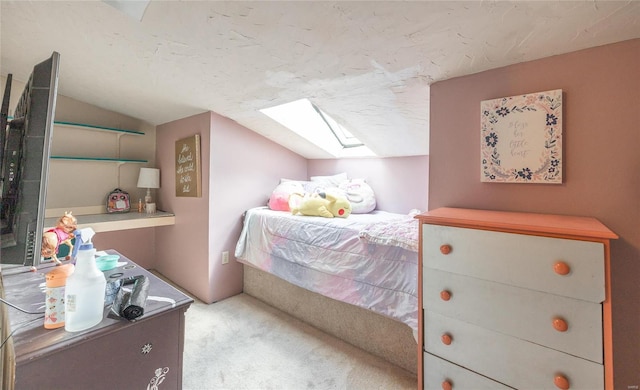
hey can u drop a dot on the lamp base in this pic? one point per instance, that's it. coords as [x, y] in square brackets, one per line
[147, 198]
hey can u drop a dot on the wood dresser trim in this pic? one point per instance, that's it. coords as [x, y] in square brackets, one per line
[420, 347]
[560, 226]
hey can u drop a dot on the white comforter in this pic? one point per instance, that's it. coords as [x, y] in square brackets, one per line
[368, 260]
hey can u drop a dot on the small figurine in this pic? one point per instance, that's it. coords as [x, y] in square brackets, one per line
[61, 234]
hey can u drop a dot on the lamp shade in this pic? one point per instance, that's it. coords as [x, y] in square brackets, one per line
[149, 178]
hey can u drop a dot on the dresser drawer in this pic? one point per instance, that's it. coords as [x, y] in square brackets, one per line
[507, 359]
[437, 371]
[519, 260]
[523, 313]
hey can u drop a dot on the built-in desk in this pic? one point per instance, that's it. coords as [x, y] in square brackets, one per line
[118, 221]
[115, 354]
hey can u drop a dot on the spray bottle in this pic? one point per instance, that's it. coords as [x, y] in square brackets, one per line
[84, 292]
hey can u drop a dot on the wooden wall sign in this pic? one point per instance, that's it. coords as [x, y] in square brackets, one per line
[521, 138]
[188, 182]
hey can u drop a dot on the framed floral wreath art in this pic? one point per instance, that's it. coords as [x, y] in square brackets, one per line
[521, 138]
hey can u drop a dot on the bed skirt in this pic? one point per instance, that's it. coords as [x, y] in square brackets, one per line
[379, 335]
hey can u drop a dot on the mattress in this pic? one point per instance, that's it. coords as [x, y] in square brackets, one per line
[368, 260]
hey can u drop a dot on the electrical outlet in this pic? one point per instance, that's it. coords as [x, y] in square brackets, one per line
[225, 257]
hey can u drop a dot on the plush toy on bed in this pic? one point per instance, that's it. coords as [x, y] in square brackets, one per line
[279, 199]
[320, 204]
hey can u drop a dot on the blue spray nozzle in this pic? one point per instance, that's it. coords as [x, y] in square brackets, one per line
[82, 236]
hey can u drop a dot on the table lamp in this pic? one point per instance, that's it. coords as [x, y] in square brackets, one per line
[149, 178]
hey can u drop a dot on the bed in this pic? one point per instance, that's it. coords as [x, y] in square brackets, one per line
[366, 260]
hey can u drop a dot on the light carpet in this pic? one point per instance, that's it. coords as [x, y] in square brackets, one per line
[241, 343]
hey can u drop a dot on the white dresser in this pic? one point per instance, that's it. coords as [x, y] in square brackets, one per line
[514, 300]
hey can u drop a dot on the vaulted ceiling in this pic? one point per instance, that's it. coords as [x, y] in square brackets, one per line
[368, 64]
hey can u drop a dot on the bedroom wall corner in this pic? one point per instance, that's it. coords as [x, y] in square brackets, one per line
[245, 168]
[240, 168]
[601, 97]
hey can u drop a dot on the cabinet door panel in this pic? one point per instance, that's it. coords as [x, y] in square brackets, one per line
[514, 362]
[519, 260]
[437, 371]
[523, 313]
[133, 357]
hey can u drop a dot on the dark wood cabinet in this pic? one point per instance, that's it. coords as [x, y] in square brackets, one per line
[115, 354]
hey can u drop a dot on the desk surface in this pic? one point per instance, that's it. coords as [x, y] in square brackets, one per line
[27, 291]
[119, 221]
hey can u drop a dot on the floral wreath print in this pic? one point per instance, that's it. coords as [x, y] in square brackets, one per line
[549, 169]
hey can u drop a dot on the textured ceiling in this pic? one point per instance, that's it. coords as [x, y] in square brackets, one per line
[368, 64]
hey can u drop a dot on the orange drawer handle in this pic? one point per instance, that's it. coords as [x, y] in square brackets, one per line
[445, 249]
[561, 268]
[445, 295]
[446, 339]
[560, 324]
[561, 382]
[446, 385]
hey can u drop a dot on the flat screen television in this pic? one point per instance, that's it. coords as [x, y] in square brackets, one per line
[26, 143]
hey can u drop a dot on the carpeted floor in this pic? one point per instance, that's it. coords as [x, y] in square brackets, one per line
[241, 343]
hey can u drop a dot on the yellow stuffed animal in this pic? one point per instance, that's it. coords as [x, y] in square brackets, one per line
[322, 205]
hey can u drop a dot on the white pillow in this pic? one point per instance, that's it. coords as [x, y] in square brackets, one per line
[314, 187]
[360, 195]
[330, 181]
[284, 180]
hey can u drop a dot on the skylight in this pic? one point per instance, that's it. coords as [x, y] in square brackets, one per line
[307, 120]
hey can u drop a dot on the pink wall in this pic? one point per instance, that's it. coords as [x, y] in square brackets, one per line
[136, 244]
[245, 168]
[400, 183]
[601, 96]
[182, 253]
[239, 170]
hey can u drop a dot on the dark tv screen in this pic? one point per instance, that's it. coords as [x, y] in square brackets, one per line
[25, 163]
